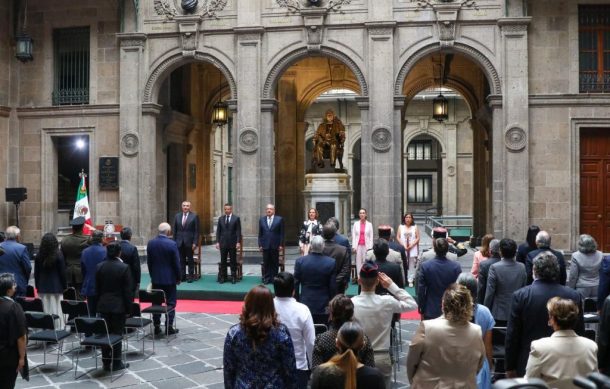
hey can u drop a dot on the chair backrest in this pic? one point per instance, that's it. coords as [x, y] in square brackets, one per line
[601, 380]
[582, 382]
[153, 296]
[135, 310]
[32, 304]
[74, 308]
[40, 320]
[590, 334]
[70, 293]
[320, 328]
[29, 291]
[240, 250]
[498, 336]
[590, 305]
[91, 325]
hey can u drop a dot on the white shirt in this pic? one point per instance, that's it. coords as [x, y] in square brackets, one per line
[374, 313]
[297, 318]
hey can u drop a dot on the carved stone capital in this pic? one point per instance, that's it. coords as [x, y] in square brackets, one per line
[514, 27]
[189, 32]
[131, 40]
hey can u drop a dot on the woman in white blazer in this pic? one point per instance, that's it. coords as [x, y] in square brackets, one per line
[564, 355]
[447, 352]
[362, 238]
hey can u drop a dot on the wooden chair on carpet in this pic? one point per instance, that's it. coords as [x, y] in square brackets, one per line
[240, 261]
[197, 258]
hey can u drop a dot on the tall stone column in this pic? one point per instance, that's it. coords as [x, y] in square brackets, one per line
[498, 168]
[450, 171]
[253, 154]
[515, 131]
[381, 138]
[136, 180]
[399, 103]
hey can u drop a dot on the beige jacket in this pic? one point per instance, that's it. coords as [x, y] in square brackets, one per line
[560, 358]
[445, 355]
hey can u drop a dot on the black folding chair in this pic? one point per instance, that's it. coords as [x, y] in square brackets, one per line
[101, 338]
[138, 323]
[70, 293]
[320, 328]
[72, 309]
[498, 338]
[30, 304]
[48, 334]
[158, 301]
[520, 383]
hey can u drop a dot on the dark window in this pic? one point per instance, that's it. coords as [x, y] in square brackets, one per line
[420, 150]
[230, 184]
[594, 48]
[71, 56]
[419, 189]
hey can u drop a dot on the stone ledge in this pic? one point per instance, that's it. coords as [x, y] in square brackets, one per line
[69, 110]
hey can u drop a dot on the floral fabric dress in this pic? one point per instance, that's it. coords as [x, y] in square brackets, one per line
[269, 365]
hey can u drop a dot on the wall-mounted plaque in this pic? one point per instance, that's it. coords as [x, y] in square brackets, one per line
[109, 173]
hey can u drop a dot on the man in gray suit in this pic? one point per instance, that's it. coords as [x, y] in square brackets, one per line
[504, 278]
[339, 253]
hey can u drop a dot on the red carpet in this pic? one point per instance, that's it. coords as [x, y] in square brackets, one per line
[234, 307]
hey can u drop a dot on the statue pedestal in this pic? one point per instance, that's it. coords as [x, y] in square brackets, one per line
[330, 194]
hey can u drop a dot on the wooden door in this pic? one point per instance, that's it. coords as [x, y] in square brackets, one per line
[595, 185]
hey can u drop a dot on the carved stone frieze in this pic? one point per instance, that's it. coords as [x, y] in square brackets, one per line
[432, 3]
[173, 8]
[515, 138]
[189, 31]
[129, 144]
[298, 5]
[248, 140]
[381, 139]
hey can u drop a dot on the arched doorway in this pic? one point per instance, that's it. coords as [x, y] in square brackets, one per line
[197, 153]
[304, 91]
[463, 186]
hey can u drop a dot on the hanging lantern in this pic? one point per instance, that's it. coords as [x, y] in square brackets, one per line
[23, 50]
[440, 108]
[219, 113]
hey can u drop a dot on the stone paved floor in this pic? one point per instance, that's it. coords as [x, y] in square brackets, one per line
[192, 359]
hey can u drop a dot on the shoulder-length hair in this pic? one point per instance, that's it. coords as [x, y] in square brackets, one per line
[258, 314]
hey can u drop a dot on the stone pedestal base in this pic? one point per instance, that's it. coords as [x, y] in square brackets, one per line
[330, 194]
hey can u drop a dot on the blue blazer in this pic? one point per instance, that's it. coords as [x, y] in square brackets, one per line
[271, 238]
[435, 276]
[16, 260]
[315, 281]
[163, 261]
[529, 318]
[89, 260]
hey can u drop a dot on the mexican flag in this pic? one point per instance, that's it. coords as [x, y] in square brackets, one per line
[81, 208]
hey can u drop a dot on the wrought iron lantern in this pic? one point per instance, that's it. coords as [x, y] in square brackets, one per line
[24, 45]
[440, 108]
[219, 113]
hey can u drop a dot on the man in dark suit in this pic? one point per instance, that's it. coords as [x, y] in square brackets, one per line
[130, 256]
[381, 250]
[228, 233]
[434, 277]
[543, 241]
[494, 249]
[72, 247]
[163, 261]
[315, 280]
[387, 232]
[16, 259]
[114, 293]
[528, 320]
[91, 257]
[186, 235]
[270, 242]
[339, 253]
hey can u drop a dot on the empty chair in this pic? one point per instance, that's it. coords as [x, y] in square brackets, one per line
[72, 309]
[138, 323]
[158, 301]
[100, 337]
[30, 304]
[70, 293]
[48, 334]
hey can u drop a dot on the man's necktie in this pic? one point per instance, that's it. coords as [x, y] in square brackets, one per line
[269, 222]
[184, 216]
[226, 220]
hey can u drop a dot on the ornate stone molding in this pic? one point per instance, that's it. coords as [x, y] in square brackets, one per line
[515, 138]
[313, 20]
[172, 8]
[381, 139]
[299, 5]
[172, 62]
[488, 68]
[451, 170]
[514, 27]
[131, 40]
[380, 30]
[130, 144]
[434, 3]
[303, 52]
[189, 30]
[248, 140]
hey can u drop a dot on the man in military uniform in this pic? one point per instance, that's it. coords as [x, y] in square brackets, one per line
[329, 135]
[72, 247]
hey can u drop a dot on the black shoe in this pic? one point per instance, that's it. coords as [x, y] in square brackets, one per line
[190, 280]
[233, 280]
[221, 280]
[172, 331]
[120, 366]
[106, 367]
[157, 331]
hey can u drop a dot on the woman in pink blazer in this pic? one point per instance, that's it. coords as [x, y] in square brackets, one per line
[362, 238]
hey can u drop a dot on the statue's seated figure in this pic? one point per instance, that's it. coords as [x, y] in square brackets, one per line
[328, 141]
